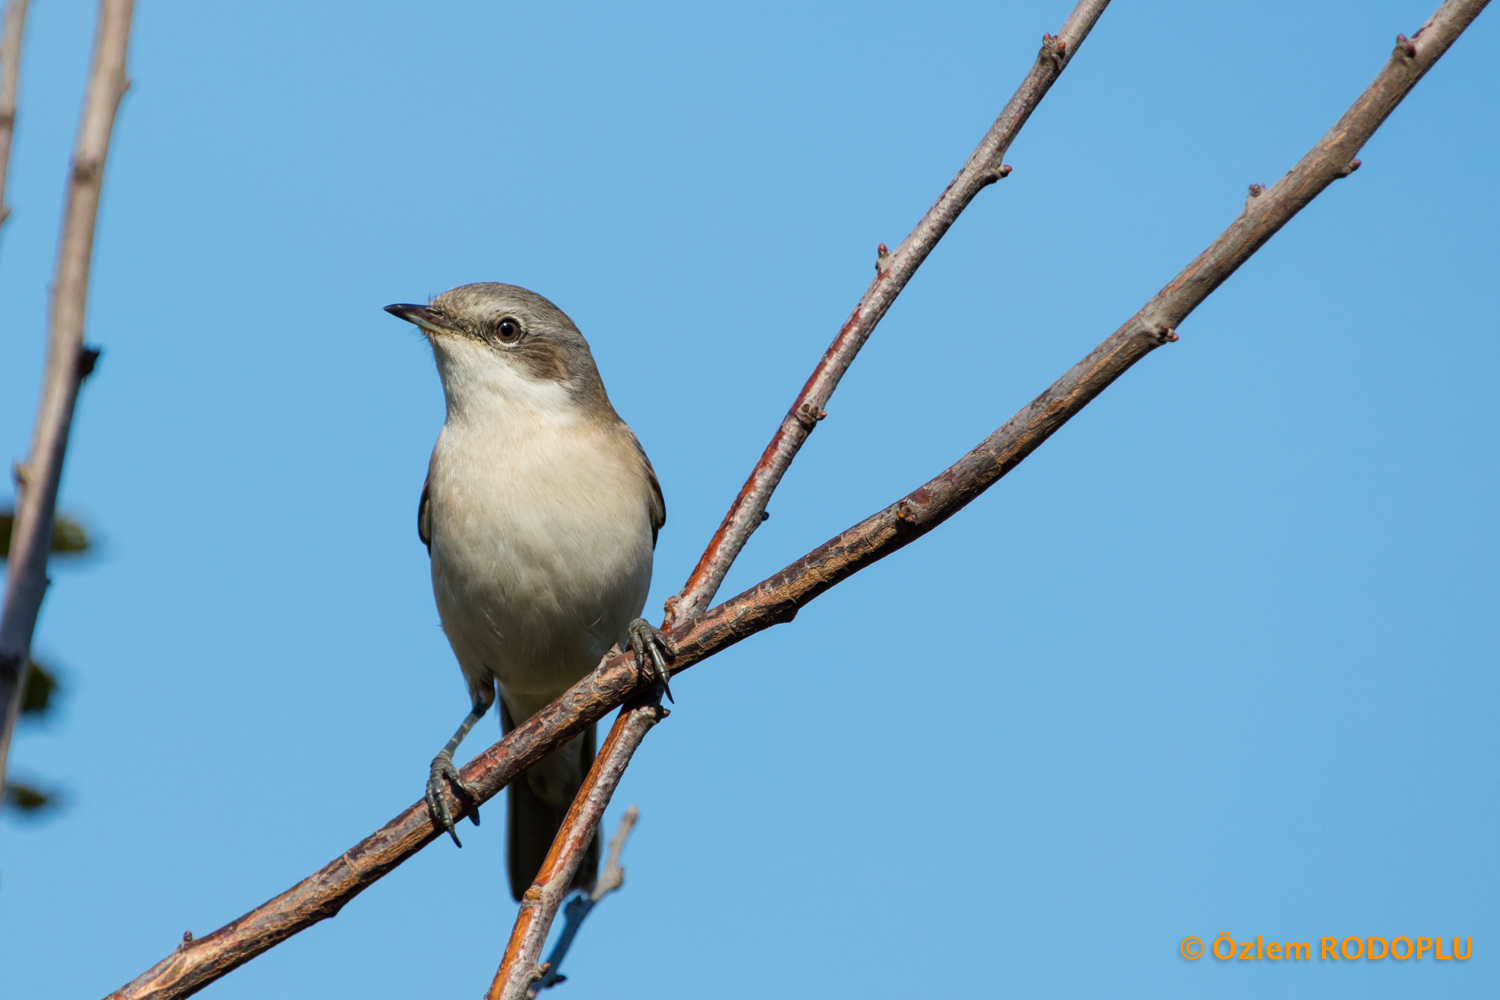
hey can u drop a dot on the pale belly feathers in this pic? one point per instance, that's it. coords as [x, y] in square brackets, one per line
[532, 590]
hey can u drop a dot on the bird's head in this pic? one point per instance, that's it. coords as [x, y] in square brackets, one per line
[504, 345]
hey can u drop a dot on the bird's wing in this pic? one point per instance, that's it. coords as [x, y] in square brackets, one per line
[658, 503]
[424, 518]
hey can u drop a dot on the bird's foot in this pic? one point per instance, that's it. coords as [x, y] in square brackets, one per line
[652, 651]
[443, 771]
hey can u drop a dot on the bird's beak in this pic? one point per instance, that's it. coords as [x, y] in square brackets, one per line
[429, 321]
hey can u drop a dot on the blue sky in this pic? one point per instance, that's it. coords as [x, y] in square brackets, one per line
[1220, 657]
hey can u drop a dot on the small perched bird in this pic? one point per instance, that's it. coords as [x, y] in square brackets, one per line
[540, 514]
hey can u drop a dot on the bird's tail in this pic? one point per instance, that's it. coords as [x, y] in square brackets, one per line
[538, 801]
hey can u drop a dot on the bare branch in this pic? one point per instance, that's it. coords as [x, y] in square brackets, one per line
[14, 27]
[892, 272]
[613, 876]
[778, 599]
[580, 906]
[747, 512]
[519, 969]
[69, 362]
[893, 269]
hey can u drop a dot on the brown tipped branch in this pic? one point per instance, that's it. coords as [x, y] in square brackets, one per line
[69, 362]
[520, 975]
[12, 29]
[893, 269]
[779, 598]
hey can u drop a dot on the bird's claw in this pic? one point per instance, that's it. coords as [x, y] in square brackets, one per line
[442, 772]
[652, 651]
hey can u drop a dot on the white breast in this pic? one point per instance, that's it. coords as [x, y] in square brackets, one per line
[541, 541]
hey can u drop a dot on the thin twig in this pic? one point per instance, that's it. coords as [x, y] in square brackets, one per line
[893, 269]
[580, 906]
[321, 895]
[14, 27]
[613, 876]
[69, 362]
[519, 969]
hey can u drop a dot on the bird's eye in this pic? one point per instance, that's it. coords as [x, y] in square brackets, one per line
[508, 331]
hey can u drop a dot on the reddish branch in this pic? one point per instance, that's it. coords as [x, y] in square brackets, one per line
[69, 362]
[14, 26]
[779, 598]
[519, 968]
[893, 269]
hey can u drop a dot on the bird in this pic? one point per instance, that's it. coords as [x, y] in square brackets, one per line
[540, 513]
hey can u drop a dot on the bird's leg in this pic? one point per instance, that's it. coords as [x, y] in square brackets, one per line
[652, 651]
[444, 771]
